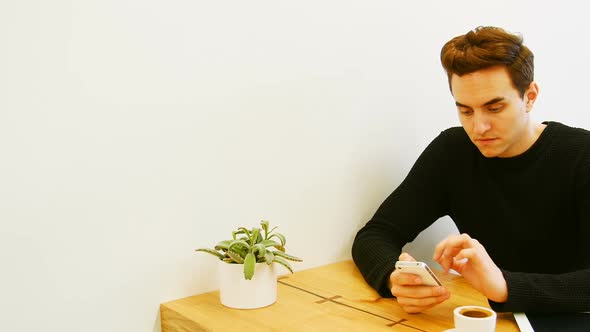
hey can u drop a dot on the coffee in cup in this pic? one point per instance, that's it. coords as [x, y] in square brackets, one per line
[475, 313]
[474, 319]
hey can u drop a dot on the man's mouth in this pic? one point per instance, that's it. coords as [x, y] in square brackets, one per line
[485, 140]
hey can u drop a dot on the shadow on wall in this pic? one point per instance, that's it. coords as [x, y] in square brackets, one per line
[422, 248]
[158, 322]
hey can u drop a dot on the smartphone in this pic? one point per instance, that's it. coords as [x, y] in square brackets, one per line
[420, 269]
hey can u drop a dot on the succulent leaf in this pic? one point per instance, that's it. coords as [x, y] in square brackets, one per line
[260, 249]
[253, 246]
[241, 230]
[241, 250]
[287, 256]
[244, 230]
[235, 256]
[249, 266]
[212, 252]
[238, 243]
[270, 232]
[270, 243]
[283, 263]
[269, 257]
[223, 245]
[281, 238]
[254, 236]
[264, 225]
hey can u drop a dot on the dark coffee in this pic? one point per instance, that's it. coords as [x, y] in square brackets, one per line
[475, 313]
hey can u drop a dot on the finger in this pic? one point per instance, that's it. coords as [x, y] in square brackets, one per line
[459, 264]
[417, 291]
[467, 254]
[422, 292]
[452, 242]
[439, 248]
[450, 238]
[446, 259]
[422, 302]
[420, 308]
[400, 278]
[446, 263]
[445, 243]
[461, 241]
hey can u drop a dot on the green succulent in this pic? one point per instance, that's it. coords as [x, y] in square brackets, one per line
[251, 246]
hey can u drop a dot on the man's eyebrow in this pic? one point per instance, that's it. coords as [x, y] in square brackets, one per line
[493, 101]
[461, 105]
[490, 102]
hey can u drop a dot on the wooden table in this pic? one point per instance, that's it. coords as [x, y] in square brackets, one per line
[330, 298]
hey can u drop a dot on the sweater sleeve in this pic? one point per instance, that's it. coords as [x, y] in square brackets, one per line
[418, 201]
[533, 292]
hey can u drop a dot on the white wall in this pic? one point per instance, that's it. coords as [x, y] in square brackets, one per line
[133, 132]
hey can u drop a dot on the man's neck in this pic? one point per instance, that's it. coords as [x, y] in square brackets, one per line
[532, 135]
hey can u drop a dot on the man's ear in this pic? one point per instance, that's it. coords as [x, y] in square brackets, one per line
[531, 95]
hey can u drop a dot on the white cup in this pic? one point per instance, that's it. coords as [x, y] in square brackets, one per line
[474, 319]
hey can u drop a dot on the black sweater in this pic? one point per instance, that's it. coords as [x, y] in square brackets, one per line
[531, 213]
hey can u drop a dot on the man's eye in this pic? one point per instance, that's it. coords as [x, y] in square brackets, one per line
[465, 111]
[495, 109]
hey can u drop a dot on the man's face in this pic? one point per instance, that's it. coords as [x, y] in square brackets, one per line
[493, 113]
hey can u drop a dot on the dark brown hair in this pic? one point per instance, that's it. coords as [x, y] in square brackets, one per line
[486, 47]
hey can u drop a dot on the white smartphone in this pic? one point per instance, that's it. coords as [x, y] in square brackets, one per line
[420, 269]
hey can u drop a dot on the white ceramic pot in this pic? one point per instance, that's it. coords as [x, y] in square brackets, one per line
[237, 292]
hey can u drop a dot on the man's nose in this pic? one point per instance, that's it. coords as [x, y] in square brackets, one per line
[481, 123]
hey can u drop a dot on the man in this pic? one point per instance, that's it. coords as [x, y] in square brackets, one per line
[518, 191]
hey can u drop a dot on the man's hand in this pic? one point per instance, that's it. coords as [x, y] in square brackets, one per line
[411, 295]
[468, 257]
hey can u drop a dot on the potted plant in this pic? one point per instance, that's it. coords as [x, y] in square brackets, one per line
[247, 276]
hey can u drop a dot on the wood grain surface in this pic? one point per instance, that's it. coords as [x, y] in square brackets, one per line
[333, 297]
